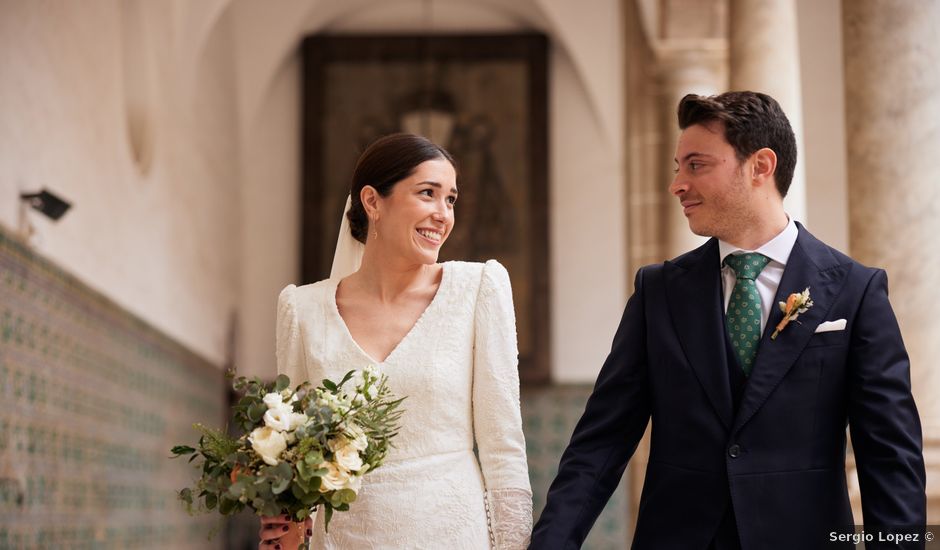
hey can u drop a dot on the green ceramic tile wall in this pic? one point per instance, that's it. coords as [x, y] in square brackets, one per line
[93, 399]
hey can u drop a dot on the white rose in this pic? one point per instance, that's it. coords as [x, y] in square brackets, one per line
[268, 443]
[357, 437]
[335, 479]
[272, 400]
[348, 458]
[279, 417]
[297, 420]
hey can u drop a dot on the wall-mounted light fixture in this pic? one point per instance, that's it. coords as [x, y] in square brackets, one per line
[46, 202]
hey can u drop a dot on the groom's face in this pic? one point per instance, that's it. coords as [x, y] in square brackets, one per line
[710, 184]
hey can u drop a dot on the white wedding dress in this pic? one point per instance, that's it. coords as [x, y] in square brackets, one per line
[458, 368]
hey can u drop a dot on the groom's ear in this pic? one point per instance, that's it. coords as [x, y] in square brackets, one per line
[764, 165]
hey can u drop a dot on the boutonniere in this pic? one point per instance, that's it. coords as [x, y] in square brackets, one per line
[796, 303]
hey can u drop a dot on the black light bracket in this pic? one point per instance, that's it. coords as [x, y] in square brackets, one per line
[47, 202]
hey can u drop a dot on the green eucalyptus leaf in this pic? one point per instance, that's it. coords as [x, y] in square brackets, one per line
[280, 486]
[227, 505]
[346, 378]
[297, 490]
[270, 508]
[283, 470]
[181, 450]
[247, 401]
[303, 470]
[327, 516]
[256, 411]
[236, 489]
[281, 383]
[264, 491]
[283, 480]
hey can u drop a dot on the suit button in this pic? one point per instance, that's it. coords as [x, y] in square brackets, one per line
[734, 451]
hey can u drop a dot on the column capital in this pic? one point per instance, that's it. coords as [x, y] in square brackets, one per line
[692, 64]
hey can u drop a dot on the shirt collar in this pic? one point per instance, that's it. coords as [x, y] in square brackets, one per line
[777, 249]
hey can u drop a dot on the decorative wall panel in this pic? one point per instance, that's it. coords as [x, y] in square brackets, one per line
[549, 415]
[92, 400]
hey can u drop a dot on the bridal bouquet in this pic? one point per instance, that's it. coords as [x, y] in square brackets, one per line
[300, 448]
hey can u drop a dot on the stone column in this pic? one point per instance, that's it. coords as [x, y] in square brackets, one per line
[892, 88]
[764, 55]
[683, 70]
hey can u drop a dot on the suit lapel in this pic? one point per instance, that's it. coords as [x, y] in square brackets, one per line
[693, 293]
[810, 265]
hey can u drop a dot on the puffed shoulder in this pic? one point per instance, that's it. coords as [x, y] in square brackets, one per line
[495, 278]
[285, 301]
[293, 297]
[287, 293]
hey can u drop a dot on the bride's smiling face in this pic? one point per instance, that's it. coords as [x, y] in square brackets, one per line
[416, 218]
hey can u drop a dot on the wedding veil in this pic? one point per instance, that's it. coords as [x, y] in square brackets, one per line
[348, 255]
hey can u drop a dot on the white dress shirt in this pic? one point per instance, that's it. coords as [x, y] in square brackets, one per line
[778, 250]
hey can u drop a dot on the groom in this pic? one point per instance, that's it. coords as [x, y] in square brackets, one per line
[749, 405]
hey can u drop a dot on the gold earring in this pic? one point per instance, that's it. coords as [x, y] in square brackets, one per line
[375, 228]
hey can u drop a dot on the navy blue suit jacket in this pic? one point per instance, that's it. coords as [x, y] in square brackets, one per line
[778, 458]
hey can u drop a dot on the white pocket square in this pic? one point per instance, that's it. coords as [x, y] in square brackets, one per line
[830, 326]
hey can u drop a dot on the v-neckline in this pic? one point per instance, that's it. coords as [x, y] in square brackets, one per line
[413, 329]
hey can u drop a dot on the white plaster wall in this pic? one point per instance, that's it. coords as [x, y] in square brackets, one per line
[824, 144]
[587, 213]
[270, 218]
[161, 243]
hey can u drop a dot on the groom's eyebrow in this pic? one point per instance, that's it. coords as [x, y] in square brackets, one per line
[691, 155]
[437, 185]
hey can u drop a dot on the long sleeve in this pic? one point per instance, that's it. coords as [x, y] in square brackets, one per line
[885, 427]
[289, 341]
[497, 420]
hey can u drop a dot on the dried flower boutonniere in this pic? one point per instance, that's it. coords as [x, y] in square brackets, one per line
[796, 303]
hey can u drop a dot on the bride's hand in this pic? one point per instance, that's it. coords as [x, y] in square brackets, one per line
[280, 533]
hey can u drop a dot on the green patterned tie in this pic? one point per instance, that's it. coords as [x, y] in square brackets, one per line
[744, 314]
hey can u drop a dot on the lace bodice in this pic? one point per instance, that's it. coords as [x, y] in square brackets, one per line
[458, 368]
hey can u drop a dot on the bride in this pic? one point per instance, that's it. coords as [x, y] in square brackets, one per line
[445, 335]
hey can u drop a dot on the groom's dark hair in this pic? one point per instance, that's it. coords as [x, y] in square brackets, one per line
[385, 162]
[751, 121]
